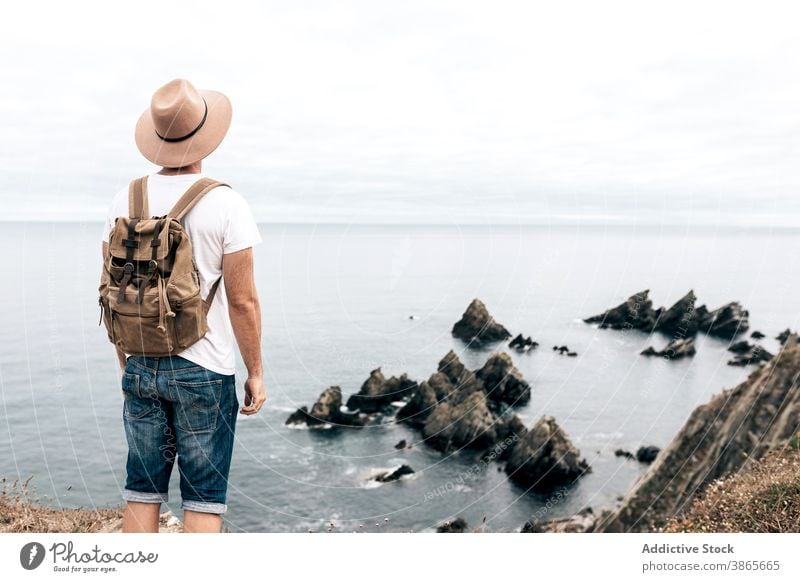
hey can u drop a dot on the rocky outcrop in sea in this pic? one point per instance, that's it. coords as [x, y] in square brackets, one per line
[674, 350]
[747, 354]
[458, 525]
[683, 319]
[327, 411]
[645, 455]
[477, 327]
[377, 392]
[457, 408]
[545, 458]
[394, 475]
[522, 343]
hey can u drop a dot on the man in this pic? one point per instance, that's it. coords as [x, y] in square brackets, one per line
[183, 407]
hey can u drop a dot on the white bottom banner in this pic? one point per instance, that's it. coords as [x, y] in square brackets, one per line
[389, 557]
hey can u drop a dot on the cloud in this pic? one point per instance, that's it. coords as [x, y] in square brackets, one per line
[421, 111]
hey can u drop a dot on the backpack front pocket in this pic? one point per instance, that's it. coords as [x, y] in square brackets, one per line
[190, 315]
[190, 321]
[138, 335]
[135, 326]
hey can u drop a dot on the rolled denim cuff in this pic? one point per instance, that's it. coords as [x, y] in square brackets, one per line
[144, 497]
[204, 506]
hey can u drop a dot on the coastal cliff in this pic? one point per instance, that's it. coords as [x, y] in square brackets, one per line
[726, 435]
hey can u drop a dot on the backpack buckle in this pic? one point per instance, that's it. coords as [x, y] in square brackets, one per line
[128, 267]
[151, 267]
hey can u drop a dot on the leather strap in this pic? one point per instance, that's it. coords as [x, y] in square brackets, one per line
[192, 196]
[155, 242]
[137, 199]
[131, 243]
[213, 291]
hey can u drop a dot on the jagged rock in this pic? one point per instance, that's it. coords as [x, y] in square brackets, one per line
[544, 458]
[457, 408]
[419, 408]
[680, 319]
[581, 522]
[502, 382]
[755, 355]
[395, 475]
[741, 347]
[476, 326]
[438, 387]
[564, 350]
[647, 454]
[727, 321]
[377, 392]
[458, 525]
[523, 344]
[757, 335]
[462, 423]
[722, 436]
[747, 353]
[401, 445]
[674, 350]
[463, 382]
[442, 386]
[328, 405]
[299, 416]
[635, 313]
[701, 315]
[784, 335]
[644, 455]
[510, 431]
[326, 410]
[453, 369]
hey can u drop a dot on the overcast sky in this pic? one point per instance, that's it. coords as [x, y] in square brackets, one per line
[458, 112]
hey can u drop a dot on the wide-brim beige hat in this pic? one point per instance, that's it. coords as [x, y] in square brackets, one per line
[182, 125]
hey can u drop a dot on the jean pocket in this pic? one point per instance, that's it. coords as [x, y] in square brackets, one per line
[197, 407]
[135, 406]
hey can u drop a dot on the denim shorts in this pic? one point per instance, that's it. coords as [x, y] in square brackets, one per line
[177, 410]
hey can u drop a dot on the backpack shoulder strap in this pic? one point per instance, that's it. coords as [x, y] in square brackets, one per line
[193, 195]
[137, 199]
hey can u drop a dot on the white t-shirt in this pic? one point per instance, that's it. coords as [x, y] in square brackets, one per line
[220, 223]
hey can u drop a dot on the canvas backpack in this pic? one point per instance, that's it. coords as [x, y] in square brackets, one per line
[150, 287]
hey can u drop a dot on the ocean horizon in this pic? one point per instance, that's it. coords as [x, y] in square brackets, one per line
[339, 300]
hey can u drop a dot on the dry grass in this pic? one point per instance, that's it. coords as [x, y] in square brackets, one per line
[763, 499]
[21, 512]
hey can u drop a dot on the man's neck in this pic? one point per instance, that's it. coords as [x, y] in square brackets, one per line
[194, 168]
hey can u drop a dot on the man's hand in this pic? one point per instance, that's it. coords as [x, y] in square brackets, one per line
[254, 396]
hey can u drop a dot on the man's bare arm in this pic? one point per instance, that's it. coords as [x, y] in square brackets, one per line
[245, 314]
[120, 353]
